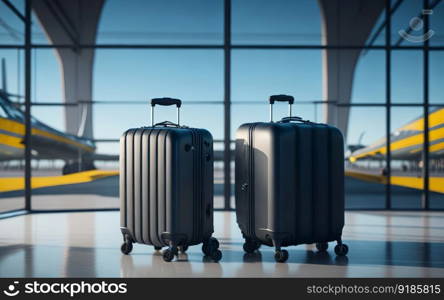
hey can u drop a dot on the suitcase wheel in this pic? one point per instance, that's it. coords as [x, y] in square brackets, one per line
[216, 256]
[341, 249]
[210, 248]
[322, 247]
[168, 254]
[183, 248]
[157, 248]
[126, 248]
[281, 256]
[250, 246]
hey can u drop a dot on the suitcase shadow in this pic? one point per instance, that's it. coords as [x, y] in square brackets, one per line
[296, 256]
[183, 266]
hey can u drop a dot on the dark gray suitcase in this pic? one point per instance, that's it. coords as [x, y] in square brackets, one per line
[289, 183]
[166, 187]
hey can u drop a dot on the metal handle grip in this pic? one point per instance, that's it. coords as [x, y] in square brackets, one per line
[280, 98]
[165, 102]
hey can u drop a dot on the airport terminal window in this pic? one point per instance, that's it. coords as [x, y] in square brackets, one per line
[46, 77]
[11, 27]
[3, 113]
[436, 75]
[191, 75]
[407, 149]
[370, 69]
[436, 160]
[276, 22]
[407, 76]
[294, 72]
[53, 116]
[377, 35]
[124, 80]
[364, 166]
[401, 19]
[437, 25]
[162, 22]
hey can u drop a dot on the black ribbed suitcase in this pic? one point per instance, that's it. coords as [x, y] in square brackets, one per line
[289, 183]
[166, 187]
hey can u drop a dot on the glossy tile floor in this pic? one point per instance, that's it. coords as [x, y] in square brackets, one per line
[382, 244]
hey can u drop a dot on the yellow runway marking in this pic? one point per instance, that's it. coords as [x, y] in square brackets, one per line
[436, 183]
[18, 183]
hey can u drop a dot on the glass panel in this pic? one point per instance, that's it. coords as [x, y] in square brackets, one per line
[14, 67]
[46, 76]
[369, 79]
[11, 27]
[365, 158]
[407, 24]
[209, 116]
[276, 22]
[38, 33]
[406, 146]
[191, 75]
[436, 77]
[162, 22]
[52, 116]
[407, 76]
[257, 74]
[436, 157]
[437, 25]
[378, 38]
[12, 133]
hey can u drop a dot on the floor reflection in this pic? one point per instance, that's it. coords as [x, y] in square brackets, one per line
[87, 245]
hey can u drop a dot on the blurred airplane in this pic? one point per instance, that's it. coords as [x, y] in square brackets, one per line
[406, 143]
[47, 142]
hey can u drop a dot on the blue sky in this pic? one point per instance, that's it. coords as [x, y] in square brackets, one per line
[197, 75]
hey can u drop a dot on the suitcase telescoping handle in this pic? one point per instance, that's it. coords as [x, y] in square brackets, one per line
[165, 102]
[280, 98]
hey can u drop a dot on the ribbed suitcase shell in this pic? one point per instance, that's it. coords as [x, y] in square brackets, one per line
[290, 182]
[166, 185]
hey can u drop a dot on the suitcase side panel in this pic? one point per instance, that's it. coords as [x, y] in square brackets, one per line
[129, 182]
[207, 159]
[242, 178]
[285, 175]
[145, 182]
[274, 162]
[137, 193]
[153, 188]
[304, 210]
[337, 203]
[181, 202]
[122, 180]
[321, 182]
[261, 176]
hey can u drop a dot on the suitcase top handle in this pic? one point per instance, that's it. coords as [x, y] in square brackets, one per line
[280, 98]
[165, 101]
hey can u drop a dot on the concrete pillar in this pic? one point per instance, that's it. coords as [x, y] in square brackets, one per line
[73, 22]
[344, 23]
